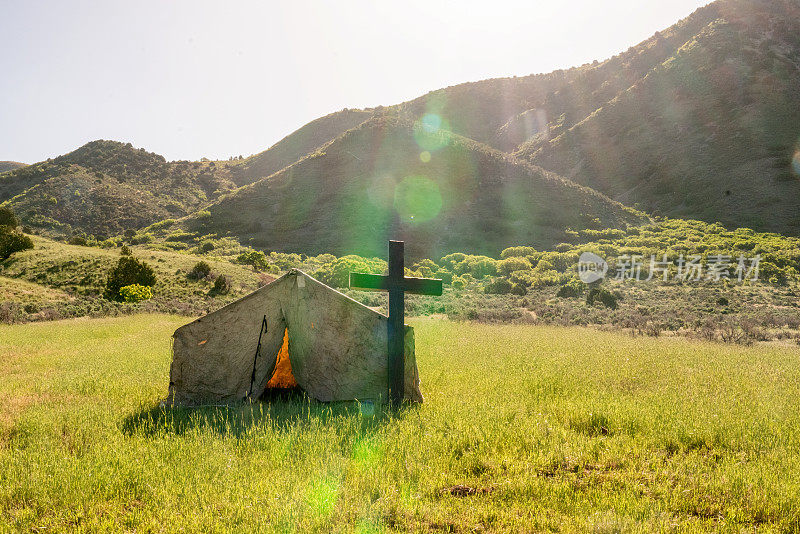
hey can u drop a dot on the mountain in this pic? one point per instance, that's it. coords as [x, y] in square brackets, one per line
[390, 178]
[297, 144]
[708, 133]
[10, 166]
[699, 121]
[106, 187]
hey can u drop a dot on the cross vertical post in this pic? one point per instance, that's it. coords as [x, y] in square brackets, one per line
[397, 284]
[396, 323]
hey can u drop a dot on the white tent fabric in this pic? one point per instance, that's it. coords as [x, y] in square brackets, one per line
[337, 347]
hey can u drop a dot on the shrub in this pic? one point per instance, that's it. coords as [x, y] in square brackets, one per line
[78, 240]
[125, 250]
[445, 275]
[477, 266]
[451, 259]
[605, 297]
[138, 239]
[200, 270]
[222, 285]
[337, 273]
[573, 288]
[135, 293]
[426, 268]
[514, 263]
[8, 218]
[517, 252]
[180, 236]
[128, 271]
[166, 223]
[460, 282]
[12, 241]
[498, 286]
[255, 258]
[206, 246]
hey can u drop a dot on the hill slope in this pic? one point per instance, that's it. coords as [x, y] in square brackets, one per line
[6, 166]
[297, 145]
[105, 187]
[700, 120]
[709, 133]
[441, 192]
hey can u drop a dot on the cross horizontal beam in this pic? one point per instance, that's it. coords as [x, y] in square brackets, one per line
[409, 284]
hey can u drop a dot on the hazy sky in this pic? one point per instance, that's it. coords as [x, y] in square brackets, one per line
[195, 78]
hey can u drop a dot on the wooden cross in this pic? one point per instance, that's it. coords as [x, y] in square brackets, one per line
[396, 283]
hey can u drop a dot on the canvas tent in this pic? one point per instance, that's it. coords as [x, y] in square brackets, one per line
[336, 346]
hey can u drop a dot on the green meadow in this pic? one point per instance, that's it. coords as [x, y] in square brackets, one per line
[524, 428]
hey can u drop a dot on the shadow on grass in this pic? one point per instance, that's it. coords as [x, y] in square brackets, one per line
[278, 412]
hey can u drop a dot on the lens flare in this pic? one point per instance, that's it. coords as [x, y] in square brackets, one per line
[425, 156]
[381, 191]
[367, 454]
[431, 132]
[417, 199]
[431, 122]
[321, 497]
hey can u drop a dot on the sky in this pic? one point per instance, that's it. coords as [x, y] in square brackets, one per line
[195, 78]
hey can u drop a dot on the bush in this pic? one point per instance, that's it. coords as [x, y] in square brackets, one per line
[337, 273]
[206, 246]
[605, 297]
[200, 270]
[78, 240]
[222, 285]
[477, 266]
[12, 241]
[517, 252]
[255, 258]
[445, 276]
[139, 239]
[135, 293]
[8, 218]
[125, 250]
[426, 268]
[498, 286]
[573, 288]
[514, 263]
[129, 271]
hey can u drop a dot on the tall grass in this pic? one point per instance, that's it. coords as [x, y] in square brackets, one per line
[523, 428]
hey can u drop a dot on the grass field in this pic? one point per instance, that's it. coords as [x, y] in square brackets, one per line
[524, 428]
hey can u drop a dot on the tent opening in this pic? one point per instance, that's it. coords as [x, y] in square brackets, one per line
[282, 381]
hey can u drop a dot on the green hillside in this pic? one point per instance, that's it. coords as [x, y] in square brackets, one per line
[106, 187]
[10, 166]
[699, 122]
[709, 133]
[442, 193]
[507, 112]
[56, 280]
[297, 145]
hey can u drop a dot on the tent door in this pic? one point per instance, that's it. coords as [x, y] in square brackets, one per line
[282, 381]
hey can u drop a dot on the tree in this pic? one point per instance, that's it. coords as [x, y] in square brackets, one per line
[11, 242]
[128, 271]
[8, 218]
[200, 270]
[222, 285]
